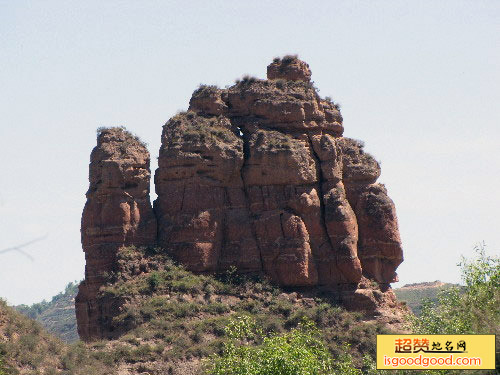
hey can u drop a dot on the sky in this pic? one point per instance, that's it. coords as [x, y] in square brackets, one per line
[418, 83]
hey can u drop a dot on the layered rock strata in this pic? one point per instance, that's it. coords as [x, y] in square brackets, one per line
[256, 176]
[117, 213]
[379, 246]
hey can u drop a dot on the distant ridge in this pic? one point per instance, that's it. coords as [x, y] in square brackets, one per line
[415, 294]
[58, 315]
[425, 284]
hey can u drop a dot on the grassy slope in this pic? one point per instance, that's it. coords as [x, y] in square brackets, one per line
[174, 320]
[179, 316]
[25, 345]
[58, 315]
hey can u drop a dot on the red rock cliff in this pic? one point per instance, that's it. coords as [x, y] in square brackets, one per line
[257, 176]
[117, 212]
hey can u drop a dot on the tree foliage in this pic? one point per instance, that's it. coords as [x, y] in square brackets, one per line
[300, 351]
[472, 309]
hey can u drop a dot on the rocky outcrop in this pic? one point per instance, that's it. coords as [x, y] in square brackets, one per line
[201, 207]
[256, 176]
[117, 213]
[289, 68]
[379, 246]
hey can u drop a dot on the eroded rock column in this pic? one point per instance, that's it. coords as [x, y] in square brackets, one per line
[379, 247]
[117, 213]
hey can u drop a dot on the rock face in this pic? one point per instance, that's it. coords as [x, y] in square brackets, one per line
[117, 213]
[258, 177]
[379, 247]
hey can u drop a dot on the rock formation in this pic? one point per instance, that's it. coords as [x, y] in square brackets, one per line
[258, 177]
[117, 213]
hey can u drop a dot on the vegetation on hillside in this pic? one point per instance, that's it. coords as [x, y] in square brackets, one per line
[174, 319]
[470, 309]
[300, 351]
[473, 309]
[24, 344]
[4, 369]
[176, 322]
[185, 315]
[58, 315]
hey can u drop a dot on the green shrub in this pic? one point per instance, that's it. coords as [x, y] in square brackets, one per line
[189, 126]
[282, 306]
[300, 351]
[4, 369]
[288, 59]
[205, 90]
[246, 80]
[332, 103]
[74, 357]
[154, 280]
[252, 306]
[103, 129]
[211, 132]
[274, 140]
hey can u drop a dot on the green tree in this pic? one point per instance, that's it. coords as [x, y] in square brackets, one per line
[472, 309]
[300, 351]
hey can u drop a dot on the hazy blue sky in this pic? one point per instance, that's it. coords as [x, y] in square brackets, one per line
[418, 82]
